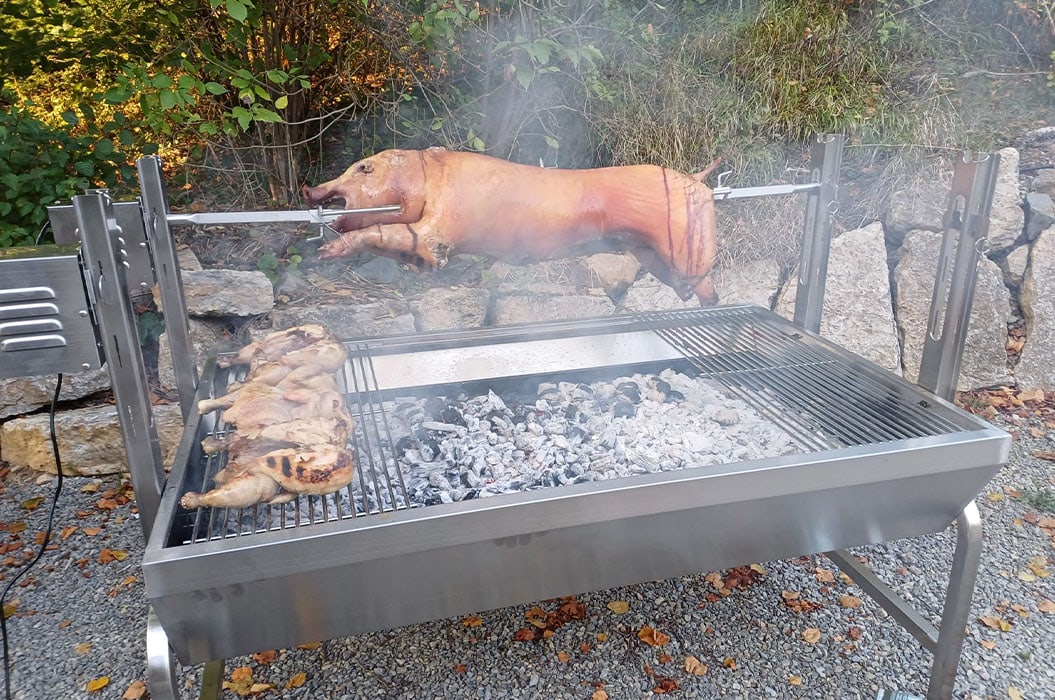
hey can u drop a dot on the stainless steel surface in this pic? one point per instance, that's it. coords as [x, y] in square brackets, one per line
[154, 219]
[723, 193]
[104, 255]
[139, 274]
[162, 678]
[966, 227]
[45, 314]
[825, 161]
[909, 475]
[307, 216]
[957, 606]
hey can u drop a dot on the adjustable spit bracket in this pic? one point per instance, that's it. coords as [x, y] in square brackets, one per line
[105, 254]
[965, 229]
[826, 162]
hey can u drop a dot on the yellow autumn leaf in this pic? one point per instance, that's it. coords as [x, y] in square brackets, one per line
[473, 621]
[619, 607]
[563, 657]
[90, 488]
[795, 680]
[82, 647]
[811, 635]
[599, 694]
[824, 575]
[1046, 606]
[729, 662]
[258, 688]
[119, 554]
[994, 497]
[1027, 576]
[758, 569]
[310, 646]
[695, 666]
[1014, 693]
[97, 684]
[990, 645]
[849, 601]
[297, 680]
[136, 691]
[602, 637]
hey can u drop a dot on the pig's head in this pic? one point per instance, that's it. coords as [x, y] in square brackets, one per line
[390, 177]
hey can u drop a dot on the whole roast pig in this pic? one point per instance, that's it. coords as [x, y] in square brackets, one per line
[455, 202]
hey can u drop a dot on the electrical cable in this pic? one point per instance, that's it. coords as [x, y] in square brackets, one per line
[43, 545]
[43, 230]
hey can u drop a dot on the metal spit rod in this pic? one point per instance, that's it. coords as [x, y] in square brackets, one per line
[308, 216]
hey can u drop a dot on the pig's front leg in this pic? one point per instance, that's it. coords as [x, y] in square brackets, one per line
[404, 242]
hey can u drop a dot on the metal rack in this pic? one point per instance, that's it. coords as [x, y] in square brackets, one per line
[910, 460]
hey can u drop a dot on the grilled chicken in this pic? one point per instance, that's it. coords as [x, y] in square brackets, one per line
[292, 425]
[277, 477]
[273, 346]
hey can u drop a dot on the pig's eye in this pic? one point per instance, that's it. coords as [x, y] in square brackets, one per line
[364, 168]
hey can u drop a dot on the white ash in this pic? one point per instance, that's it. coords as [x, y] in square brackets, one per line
[457, 448]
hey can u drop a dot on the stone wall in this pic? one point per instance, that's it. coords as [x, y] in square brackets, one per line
[878, 292]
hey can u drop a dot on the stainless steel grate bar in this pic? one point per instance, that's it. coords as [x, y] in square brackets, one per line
[817, 392]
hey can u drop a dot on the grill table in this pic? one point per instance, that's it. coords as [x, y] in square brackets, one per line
[877, 457]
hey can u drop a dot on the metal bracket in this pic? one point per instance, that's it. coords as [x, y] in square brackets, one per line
[965, 227]
[106, 258]
[826, 162]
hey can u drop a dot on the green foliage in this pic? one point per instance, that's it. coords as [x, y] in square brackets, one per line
[809, 70]
[41, 164]
[275, 267]
[150, 326]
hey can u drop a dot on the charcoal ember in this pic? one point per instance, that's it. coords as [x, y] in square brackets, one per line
[571, 412]
[427, 445]
[404, 444]
[628, 391]
[675, 395]
[623, 409]
[434, 407]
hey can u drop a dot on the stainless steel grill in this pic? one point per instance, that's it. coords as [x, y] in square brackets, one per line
[878, 458]
[817, 396]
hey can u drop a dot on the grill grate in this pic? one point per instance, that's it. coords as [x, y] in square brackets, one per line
[377, 487]
[823, 400]
[819, 399]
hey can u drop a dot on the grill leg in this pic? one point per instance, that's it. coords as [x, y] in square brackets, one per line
[161, 664]
[957, 603]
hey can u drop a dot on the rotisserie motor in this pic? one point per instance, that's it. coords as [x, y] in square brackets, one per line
[292, 424]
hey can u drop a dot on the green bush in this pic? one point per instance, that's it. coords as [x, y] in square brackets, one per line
[41, 164]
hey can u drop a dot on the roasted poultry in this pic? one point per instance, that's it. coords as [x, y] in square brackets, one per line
[291, 424]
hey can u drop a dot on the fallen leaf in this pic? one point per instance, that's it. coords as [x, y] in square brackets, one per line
[106, 504]
[599, 694]
[996, 623]
[602, 637]
[666, 685]
[1020, 609]
[16, 527]
[729, 662]
[563, 657]
[265, 657]
[994, 497]
[297, 680]
[64, 624]
[811, 635]
[258, 688]
[849, 601]
[136, 691]
[473, 621]
[461, 668]
[758, 569]
[854, 633]
[1046, 606]
[652, 637]
[1044, 454]
[824, 575]
[32, 504]
[585, 648]
[108, 555]
[524, 634]
[619, 607]
[695, 666]
[82, 647]
[91, 531]
[795, 680]
[536, 616]
[714, 578]
[90, 488]
[664, 659]
[1014, 693]
[310, 646]
[546, 634]
[988, 644]
[1037, 432]
[1036, 394]
[242, 674]
[1027, 576]
[67, 531]
[9, 609]
[97, 684]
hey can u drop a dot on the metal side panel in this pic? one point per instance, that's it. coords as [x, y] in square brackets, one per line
[276, 589]
[45, 318]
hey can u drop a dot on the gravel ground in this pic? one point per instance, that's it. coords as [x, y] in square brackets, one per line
[81, 617]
